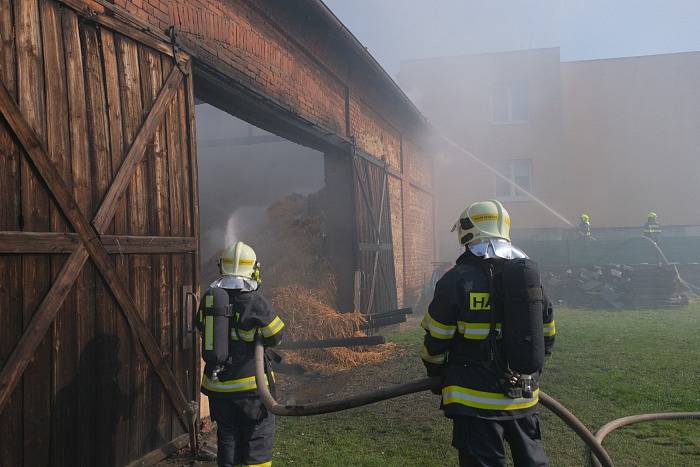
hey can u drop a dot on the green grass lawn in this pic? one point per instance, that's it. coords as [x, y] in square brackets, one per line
[607, 364]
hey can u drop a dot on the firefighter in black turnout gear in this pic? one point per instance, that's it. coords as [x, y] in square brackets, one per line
[231, 313]
[488, 328]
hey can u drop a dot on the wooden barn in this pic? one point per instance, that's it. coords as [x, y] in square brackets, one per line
[99, 208]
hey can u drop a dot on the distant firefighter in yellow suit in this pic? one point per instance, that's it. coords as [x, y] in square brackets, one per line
[652, 228]
[584, 227]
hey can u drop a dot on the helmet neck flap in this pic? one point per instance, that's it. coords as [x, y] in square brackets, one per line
[489, 248]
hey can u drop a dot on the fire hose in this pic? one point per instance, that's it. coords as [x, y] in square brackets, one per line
[424, 384]
[693, 289]
[633, 419]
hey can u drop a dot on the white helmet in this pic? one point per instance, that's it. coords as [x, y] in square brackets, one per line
[482, 220]
[240, 260]
[484, 228]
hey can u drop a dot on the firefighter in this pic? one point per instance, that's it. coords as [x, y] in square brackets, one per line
[472, 343]
[245, 430]
[652, 228]
[584, 227]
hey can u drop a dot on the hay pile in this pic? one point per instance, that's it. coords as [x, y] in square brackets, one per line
[300, 281]
[308, 317]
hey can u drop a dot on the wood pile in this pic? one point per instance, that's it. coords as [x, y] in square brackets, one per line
[615, 286]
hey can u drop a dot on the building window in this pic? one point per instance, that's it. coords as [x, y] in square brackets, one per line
[518, 171]
[509, 103]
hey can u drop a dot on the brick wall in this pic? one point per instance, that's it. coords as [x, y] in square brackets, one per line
[292, 57]
[419, 242]
[396, 213]
[374, 135]
[418, 219]
[418, 166]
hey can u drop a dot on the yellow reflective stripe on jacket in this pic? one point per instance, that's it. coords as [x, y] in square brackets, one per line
[247, 335]
[437, 329]
[232, 385]
[264, 464]
[486, 400]
[209, 333]
[273, 328]
[549, 329]
[476, 331]
[436, 359]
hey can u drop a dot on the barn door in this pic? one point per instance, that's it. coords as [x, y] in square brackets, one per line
[375, 278]
[98, 238]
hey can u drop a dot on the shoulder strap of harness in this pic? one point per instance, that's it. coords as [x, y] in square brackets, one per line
[237, 317]
[493, 355]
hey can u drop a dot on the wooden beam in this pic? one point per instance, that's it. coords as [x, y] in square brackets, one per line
[387, 314]
[45, 315]
[157, 455]
[381, 322]
[375, 246]
[214, 78]
[38, 242]
[330, 343]
[131, 244]
[421, 188]
[402, 176]
[59, 242]
[147, 35]
[240, 141]
[374, 160]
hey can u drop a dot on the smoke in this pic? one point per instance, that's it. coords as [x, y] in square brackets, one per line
[554, 107]
[242, 170]
[231, 236]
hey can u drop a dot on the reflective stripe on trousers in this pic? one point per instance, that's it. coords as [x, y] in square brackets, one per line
[486, 400]
[232, 385]
[550, 329]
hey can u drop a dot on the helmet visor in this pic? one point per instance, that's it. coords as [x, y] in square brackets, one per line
[235, 283]
[496, 248]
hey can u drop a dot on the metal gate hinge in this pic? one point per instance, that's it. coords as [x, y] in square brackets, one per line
[172, 33]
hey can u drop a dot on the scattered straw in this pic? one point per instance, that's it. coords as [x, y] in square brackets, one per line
[309, 318]
[300, 281]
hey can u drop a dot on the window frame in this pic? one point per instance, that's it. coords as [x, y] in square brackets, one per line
[509, 87]
[508, 169]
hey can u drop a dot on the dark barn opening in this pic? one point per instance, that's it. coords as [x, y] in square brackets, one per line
[244, 170]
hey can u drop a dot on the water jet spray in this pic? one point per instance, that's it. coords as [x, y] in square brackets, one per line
[496, 172]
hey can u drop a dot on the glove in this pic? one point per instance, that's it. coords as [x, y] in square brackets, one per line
[435, 371]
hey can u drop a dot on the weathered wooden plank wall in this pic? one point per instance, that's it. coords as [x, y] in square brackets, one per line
[90, 397]
[12, 420]
[374, 237]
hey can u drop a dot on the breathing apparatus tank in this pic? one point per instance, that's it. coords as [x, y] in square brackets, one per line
[522, 310]
[217, 314]
[484, 227]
